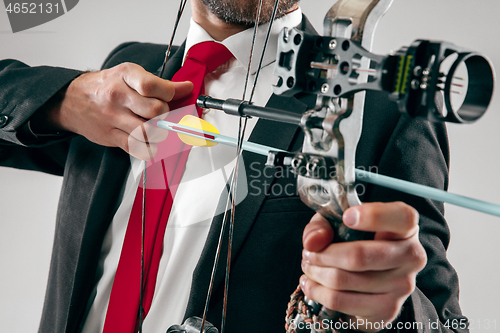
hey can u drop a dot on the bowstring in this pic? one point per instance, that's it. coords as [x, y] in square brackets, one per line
[242, 124]
[180, 11]
[232, 188]
[241, 134]
[275, 9]
[230, 200]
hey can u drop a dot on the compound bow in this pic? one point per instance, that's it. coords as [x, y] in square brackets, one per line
[338, 68]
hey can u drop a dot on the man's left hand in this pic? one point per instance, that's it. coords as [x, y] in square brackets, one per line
[366, 280]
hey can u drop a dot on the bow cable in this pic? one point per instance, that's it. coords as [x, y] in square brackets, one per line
[241, 133]
[229, 201]
[180, 11]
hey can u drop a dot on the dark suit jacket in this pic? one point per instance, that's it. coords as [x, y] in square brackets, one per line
[269, 224]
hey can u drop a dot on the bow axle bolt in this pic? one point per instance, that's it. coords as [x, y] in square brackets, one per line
[324, 88]
[333, 44]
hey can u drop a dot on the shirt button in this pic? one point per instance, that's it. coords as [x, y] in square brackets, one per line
[3, 121]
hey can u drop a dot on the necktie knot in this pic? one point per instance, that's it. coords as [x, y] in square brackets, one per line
[210, 54]
[202, 58]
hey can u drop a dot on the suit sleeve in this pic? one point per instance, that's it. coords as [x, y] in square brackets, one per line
[417, 150]
[23, 91]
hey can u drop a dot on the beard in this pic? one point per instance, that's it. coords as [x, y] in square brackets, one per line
[244, 12]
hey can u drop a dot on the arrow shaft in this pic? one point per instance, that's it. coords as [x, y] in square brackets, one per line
[361, 175]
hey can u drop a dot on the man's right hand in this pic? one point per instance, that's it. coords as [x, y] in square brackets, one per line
[108, 107]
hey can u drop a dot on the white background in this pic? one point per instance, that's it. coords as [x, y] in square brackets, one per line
[83, 37]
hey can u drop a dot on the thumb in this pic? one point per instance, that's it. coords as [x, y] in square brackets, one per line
[318, 234]
[182, 89]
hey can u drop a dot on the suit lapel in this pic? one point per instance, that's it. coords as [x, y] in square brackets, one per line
[266, 132]
[95, 177]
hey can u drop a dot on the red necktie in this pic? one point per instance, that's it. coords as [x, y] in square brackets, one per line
[163, 177]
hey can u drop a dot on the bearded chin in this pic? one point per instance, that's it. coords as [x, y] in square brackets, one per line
[244, 13]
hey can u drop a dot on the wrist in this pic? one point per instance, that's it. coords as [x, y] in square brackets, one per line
[54, 117]
[44, 121]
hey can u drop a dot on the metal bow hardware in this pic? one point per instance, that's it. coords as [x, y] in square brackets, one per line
[433, 80]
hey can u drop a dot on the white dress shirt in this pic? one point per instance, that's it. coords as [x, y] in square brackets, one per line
[204, 179]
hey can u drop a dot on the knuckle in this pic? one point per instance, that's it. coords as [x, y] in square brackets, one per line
[416, 255]
[338, 280]
[124, 67]
[146, 86]
[357, 258]
[407, 285]
[126, 144]
[156, 108]
[113, 94]
[388, 308]
[333, 301]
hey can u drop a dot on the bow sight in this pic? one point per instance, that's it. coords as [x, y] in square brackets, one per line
[418, 77]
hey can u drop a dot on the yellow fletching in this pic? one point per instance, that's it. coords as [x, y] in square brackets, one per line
[200, 124]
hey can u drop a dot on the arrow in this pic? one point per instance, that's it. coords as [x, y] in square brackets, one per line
[198, 132]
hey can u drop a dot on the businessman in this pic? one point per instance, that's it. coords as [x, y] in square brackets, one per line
[81, 126]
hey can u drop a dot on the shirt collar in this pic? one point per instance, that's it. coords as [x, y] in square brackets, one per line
[240, 44]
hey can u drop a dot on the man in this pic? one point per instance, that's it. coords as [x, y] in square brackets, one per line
[370, 281]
